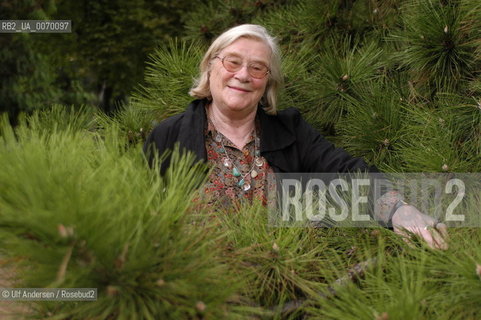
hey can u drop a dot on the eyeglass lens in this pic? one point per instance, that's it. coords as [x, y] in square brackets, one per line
[255, 69]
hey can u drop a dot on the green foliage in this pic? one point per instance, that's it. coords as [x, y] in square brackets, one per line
[445, 139]
[133, 123]
[395, 82]
[60, 118]
[27, 79]
[92, 215]
[341, 67]
[380, 108]
[459, 276]
[278, 264]
[223, 15]
[396, 291]
[415, 283]
[30, 78]
[169, 76]
[298, 90]
[441, 39]
[291, 30]
[99, 63]
[288, 269]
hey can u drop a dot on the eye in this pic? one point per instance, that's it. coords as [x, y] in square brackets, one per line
[258, 67]
[233, 61]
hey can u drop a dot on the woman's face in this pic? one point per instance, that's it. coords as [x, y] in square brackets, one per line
[239, 92]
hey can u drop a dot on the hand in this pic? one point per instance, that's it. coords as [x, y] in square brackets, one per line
[408, 219]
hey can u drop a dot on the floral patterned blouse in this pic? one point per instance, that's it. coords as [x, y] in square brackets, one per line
[237, 175]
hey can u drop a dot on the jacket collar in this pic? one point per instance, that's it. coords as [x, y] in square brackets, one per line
[275, 135]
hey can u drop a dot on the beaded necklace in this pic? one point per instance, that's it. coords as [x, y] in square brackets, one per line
[228, 163]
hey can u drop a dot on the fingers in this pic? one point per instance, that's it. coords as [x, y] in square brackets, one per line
[440, 236]
[435, 237]
[406, 235]
[408, 241]
[429, 237]
[443, 229]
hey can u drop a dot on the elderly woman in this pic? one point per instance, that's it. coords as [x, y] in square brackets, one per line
[235, 127]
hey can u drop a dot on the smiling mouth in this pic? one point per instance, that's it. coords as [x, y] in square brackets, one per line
[239, 89]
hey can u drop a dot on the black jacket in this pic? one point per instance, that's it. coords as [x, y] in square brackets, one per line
[288, 142]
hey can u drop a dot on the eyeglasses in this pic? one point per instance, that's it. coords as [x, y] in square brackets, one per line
[256, 70]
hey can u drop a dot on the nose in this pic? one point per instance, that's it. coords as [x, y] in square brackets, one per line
[243, 74]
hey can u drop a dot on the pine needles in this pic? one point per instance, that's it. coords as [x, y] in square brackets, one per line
[169, 76]
[396, 82]
[441, 42]
[82, 211]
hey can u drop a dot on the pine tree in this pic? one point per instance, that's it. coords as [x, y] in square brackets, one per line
[395, 82]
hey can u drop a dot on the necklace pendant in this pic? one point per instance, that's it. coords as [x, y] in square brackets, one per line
[226, 162]
[253, 174]
[218, 138]
[259, 162]
[241, 183]
[246, 186]
[236, 173]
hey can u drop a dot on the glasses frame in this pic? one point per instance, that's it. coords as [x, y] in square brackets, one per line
[248, 69]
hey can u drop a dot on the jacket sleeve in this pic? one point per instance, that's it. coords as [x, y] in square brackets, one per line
[161, 140]
[320, 155]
